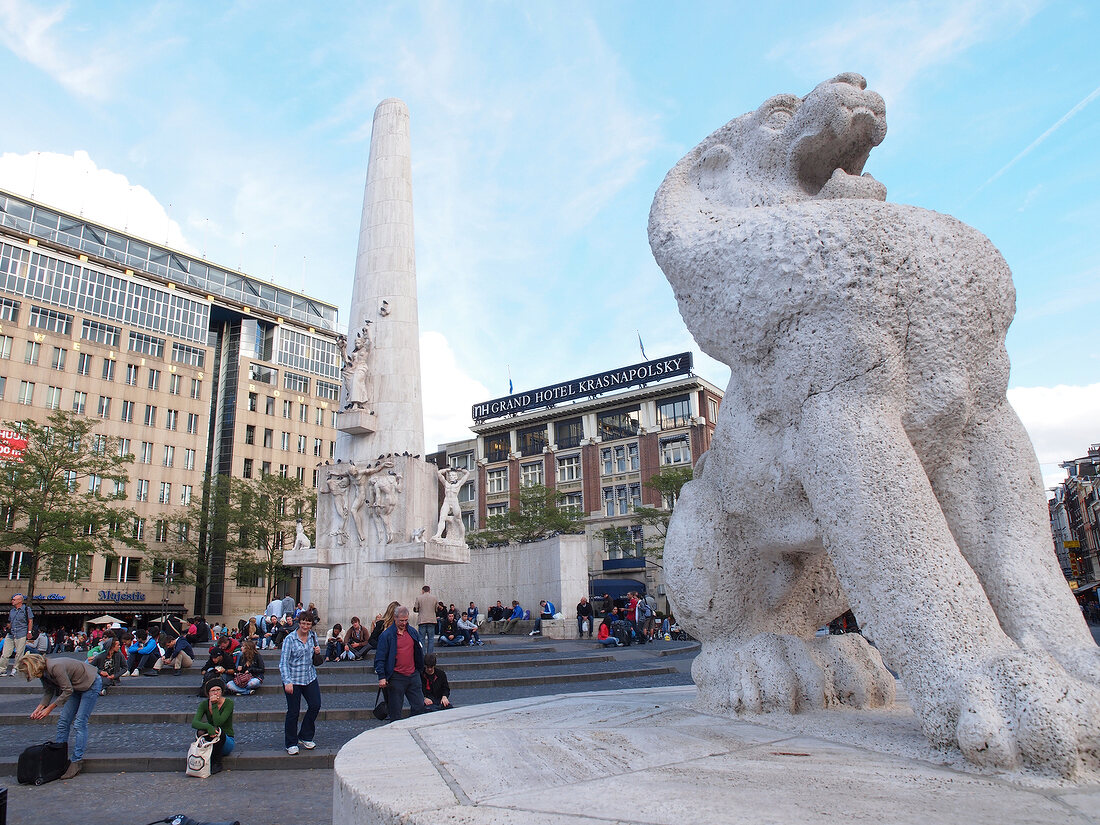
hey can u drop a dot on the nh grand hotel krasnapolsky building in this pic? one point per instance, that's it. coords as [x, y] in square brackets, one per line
[196, 368]
[597, 439]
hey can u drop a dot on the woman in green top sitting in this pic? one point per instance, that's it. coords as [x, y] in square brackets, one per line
[215, 717]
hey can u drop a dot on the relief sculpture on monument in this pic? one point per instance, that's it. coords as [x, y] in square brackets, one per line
[865, 453]
[355, 369]
[450, 512]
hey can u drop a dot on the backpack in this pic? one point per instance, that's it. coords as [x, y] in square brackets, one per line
[644, 610]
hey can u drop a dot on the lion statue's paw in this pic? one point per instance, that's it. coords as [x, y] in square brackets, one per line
[1020, 710]
[781, 672]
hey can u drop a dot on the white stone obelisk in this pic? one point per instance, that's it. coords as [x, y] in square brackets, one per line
[385, 293]
[377, 504]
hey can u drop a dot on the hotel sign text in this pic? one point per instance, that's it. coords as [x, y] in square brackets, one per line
[587, 387]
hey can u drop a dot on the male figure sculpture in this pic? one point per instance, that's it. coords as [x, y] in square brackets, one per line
[865, 453]
[450, 513]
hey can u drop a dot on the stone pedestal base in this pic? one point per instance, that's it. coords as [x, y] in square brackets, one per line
[313, 557]
[429, 552]
[357, 422]
[670, 762]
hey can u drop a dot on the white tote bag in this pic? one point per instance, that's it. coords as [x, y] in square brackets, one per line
[199, 755]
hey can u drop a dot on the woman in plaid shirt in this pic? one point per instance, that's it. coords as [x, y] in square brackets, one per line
[300, 679]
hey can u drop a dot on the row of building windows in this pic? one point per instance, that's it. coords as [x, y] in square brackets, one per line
[611, 425]
[285, 440]
[248, 469]
[16, 564]
[59, 357]
[66, 285]
[253, 405]
[52, 401]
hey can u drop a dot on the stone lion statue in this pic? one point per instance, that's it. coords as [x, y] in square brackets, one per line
[865, 453]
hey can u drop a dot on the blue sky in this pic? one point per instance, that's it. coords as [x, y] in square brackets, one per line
[540, 132]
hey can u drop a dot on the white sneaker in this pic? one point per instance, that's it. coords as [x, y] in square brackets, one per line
[307, 745]
[532, 633]
[135, 672]
[292, 750]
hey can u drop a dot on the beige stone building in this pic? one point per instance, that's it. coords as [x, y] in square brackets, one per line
[194, 367]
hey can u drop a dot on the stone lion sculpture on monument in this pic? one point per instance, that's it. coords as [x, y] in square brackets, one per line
[865, 454]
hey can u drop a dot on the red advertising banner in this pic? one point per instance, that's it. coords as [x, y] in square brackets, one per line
[12, 445]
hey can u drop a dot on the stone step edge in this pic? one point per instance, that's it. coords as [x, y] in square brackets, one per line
[457, 684]
[165, 762]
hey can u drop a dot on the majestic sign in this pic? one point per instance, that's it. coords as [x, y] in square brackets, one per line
[587, 387]
[12, 445]
[121, 596]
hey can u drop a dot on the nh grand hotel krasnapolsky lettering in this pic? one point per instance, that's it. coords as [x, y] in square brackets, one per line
[587, 387]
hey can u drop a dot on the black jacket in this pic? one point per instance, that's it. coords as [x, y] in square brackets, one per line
[435, 686]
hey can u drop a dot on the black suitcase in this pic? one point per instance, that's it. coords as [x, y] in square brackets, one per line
[39, 764]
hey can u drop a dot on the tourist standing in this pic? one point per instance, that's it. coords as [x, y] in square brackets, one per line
[399, 662]
[424, 608]
[71, 685]
[300, 679]
[20, 628]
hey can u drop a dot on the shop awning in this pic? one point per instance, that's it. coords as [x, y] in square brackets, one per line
[617, 588]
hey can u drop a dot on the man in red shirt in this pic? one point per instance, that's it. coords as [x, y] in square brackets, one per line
[399, 662]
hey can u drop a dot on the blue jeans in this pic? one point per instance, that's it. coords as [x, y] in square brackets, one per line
[458, 640]
[427, 636]
[398, 688]
[292, 734]
[75, 713]
[252, 685]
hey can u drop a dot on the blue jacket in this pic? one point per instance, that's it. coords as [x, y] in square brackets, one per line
[517, 612]
[149, 646]
[385, 658]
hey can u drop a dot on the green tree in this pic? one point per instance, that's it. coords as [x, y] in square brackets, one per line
[540, 514]
[261, 516]
[61, 500]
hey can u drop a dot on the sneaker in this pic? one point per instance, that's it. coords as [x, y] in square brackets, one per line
[292, 750]
[533, 633]
[103, 692]
[307, 745]
[135, 672]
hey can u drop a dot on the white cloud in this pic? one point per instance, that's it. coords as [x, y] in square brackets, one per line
[449, 392]
[1062, 422]
[33, 34]
[74, 184]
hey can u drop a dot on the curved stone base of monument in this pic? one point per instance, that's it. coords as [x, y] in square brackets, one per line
[651, 756]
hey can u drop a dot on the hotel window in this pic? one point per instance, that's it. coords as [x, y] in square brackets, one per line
[269, 406]
[332, 449]
[712, 409]
[302, 444]
[496, 481]
[286, 441]
[93, 483]
[335, 419]
[569, 433]
[252, 399]
[269, 438]
[462, 461]
[573, 502]
[142, 492]
[288, 408]
[317, 443]
[265, 468]
[99, 333]
[497, 447]
[146, 345]
[620, 459]
[183, 354]
[284, 470]
[676, 451]
[9, 310]
[249, 434]
[108, 369]
[162, 530]
[466, 492]
[146, 452]
[531, 474]
[15, 564]
[569, 468]
[247, 472]
[319, 419]
[31, 355]
[169, 455]
[165, 492]
[300, 474]
[621, 423]
[5, 347]
[124, 446]
[674, 412]
[469, 521]
[172, 418]
[154, 379]
[57, 360]
[303, 413]
[185, 493]
[132, 374]
[189, 459]
[47, 319]
[327, 391]
[127, 410]
[296, 383]
[531, 440]
[26, 392]
[174, 384]
[622, 499]
[80, 401]
[3, 386]
[150, 415]
[53, 398]
[196, 388]
[105, 408]
[192, 423]
[84, 364]
[496, 510]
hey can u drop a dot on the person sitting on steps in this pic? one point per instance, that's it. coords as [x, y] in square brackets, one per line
[546, 611]
[215, 718]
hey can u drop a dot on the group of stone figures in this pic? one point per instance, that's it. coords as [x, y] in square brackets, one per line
[370, 495]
